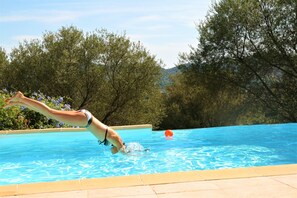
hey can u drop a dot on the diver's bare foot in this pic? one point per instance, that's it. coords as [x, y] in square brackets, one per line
[17, 97]
[14, 100]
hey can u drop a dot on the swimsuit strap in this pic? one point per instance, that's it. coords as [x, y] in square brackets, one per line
[106, 131]
[105, 140]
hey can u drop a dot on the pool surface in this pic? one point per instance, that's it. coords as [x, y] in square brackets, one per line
[30, 158]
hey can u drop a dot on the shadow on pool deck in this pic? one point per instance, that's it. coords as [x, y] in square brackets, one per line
[268, 181]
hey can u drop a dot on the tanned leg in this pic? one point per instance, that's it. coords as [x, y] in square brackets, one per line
[74, 118]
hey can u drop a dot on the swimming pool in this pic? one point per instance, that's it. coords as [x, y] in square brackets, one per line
[29, 158]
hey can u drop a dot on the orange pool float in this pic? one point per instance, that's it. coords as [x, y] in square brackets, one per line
[168, 133]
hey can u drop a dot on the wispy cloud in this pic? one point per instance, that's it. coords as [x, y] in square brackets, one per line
[20, 38]
[145, 13]
[52, 16]
[149, 18]
[144, 36]
[169, 53]
[164, 27]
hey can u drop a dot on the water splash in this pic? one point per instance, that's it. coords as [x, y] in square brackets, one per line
[134, 147]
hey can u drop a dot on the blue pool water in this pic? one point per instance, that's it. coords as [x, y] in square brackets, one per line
[45, 157]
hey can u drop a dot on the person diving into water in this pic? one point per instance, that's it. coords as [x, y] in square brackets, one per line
[102, 132]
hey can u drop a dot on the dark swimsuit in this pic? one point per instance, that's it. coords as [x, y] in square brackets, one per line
[105, 142]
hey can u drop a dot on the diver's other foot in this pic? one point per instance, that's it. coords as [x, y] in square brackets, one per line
[17, 97]
[14, 100]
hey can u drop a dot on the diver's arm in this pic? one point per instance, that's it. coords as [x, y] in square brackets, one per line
[116, 141]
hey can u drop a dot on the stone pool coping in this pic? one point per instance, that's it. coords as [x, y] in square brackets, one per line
[137, 180]
[146, 179]
[52, 130]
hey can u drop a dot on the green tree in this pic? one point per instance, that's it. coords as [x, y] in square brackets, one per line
[195, 99]
[250, 45]
[104, 72]
[3, 64]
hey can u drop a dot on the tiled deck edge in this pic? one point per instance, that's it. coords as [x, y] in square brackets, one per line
[50, 130]
[149, 179]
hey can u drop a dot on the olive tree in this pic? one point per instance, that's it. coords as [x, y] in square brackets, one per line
[251, 45]
[113, 77]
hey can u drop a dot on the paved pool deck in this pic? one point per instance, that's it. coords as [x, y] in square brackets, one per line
[267, 181]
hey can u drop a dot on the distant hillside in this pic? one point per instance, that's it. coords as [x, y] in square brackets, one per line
[166, 76]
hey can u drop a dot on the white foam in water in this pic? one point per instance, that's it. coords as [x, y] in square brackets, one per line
[134, 147]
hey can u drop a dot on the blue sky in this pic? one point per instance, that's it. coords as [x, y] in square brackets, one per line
[164, 27]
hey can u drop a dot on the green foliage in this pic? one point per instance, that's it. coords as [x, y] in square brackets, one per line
[255, 42]
[243, 70]
[3, 64]
[23, 118]
[191, 103]
[114, 78]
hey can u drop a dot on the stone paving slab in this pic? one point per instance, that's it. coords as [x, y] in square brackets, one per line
[228, 183]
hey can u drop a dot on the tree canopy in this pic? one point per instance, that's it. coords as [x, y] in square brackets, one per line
[245, 65]
[104, 72]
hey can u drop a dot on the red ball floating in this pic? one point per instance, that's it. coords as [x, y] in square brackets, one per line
[168, 133]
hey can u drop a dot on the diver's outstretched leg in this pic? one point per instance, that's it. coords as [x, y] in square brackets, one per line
[74, 118]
